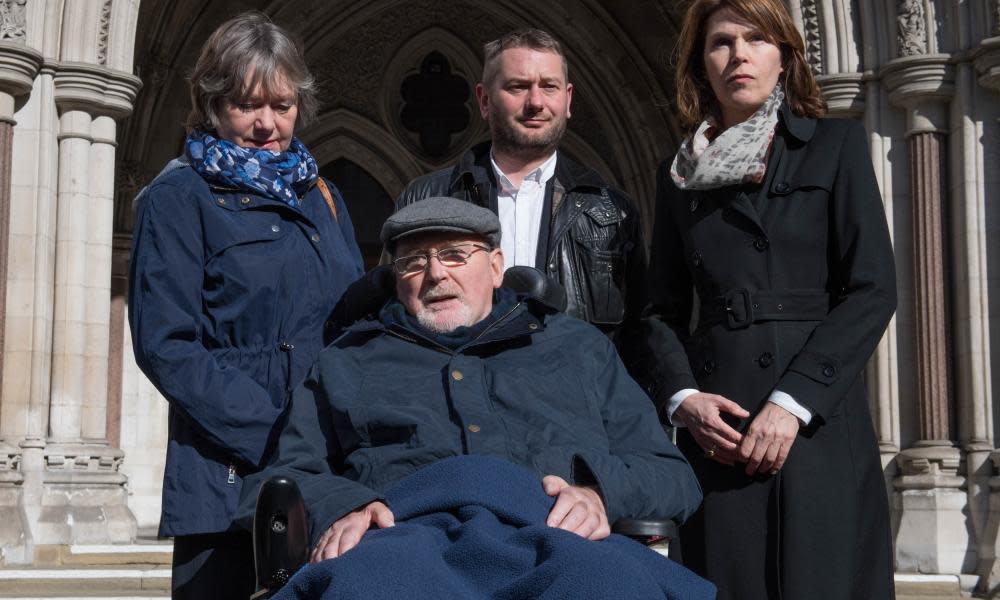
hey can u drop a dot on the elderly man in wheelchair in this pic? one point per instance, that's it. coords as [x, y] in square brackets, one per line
[471, 441]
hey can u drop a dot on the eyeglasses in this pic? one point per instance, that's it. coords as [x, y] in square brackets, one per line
[452, 256]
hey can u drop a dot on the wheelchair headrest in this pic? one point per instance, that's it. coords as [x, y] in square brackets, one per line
[530, 282]
[367, 295]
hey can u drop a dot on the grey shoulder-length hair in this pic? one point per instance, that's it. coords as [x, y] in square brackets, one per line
[248, 45]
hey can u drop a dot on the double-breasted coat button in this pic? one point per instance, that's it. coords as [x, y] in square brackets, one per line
[782, 187]
[709, 366]
[765, 360]
[761, 244]
[829, 371]
[696, 258]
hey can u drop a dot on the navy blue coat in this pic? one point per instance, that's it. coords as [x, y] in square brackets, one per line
[228, 296]
[544, 391]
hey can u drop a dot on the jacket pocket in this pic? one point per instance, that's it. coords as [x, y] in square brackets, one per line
[601, 274]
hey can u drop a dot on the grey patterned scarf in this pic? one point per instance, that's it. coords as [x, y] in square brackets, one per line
[737, 155]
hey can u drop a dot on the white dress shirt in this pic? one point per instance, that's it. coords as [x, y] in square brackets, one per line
[520, 212]
[777, 397]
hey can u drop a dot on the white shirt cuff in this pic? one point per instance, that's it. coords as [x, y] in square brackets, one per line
[675, 401]
[788, 403]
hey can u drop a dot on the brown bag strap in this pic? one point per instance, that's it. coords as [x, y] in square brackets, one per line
[323, 189]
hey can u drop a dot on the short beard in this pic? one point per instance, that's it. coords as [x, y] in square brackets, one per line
[440, 322]
[515, 142]
[444, 321]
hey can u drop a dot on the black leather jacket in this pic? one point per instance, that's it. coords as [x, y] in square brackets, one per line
[594, 245]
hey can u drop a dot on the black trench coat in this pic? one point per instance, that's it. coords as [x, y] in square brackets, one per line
[796, 284]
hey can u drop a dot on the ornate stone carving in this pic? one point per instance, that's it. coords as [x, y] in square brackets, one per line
[912, 23]
[10, 458]
[813, 36]
[103, 31]
[12, 19]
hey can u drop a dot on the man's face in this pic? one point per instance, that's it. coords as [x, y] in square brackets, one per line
[527, 102]
[445, 298]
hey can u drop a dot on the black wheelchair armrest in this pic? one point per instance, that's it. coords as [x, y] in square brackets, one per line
[280, 534]
[646, 529]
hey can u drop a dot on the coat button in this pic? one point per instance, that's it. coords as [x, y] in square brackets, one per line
[709, 366]
[765, 360]
[532, 326]
[457, 375]
[829, 371]
[474, 428]
[221, 201]
[275, 228]
[696, 259]
[761, 244]
[782, 188]
[552, 266]
[315, 238]
[244, 200]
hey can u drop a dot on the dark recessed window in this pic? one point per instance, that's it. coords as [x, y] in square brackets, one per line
[434, 104]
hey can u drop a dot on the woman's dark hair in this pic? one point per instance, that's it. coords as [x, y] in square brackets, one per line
[695, 99]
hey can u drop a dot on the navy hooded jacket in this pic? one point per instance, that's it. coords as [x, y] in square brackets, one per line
[229, 293]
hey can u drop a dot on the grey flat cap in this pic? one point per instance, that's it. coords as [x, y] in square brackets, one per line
[444, 214]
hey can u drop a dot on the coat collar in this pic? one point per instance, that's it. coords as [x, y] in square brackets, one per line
[476, 162]
[527, 317]
[801, 128]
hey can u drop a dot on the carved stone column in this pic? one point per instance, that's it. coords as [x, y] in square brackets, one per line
[18, 66]
[932, 537]
[84, 498]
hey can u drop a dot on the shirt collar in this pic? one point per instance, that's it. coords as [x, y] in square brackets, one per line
[541, 174]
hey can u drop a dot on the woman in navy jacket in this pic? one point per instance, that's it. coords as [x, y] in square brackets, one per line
[239, 255]
[774, 217]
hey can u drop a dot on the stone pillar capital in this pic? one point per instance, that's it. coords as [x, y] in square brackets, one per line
[18, 66]
[94, 89]
[923, 84]
[987, 63]
[844, 93]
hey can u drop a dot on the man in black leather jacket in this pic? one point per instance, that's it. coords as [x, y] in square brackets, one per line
[556, 215]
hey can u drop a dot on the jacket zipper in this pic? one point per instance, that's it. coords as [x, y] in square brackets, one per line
[232, 474]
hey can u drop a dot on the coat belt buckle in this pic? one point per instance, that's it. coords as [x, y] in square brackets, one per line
[739, 308]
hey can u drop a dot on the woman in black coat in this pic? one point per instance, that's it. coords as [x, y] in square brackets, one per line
[773, 217]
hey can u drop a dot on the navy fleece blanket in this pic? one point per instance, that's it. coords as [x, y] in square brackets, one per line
[474, 527]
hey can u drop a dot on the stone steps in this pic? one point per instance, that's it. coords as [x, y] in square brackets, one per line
[85, 582]
[136, 571]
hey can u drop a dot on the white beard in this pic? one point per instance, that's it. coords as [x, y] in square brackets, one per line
[445, 321]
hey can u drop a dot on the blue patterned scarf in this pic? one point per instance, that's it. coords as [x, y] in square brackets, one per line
[283, 176]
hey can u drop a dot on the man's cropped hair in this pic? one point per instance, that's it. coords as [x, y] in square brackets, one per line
[533, 39]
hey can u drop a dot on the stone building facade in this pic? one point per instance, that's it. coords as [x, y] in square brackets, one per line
[92, 94]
